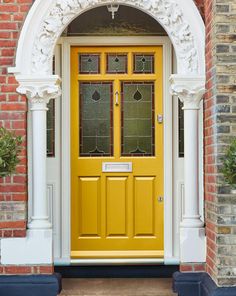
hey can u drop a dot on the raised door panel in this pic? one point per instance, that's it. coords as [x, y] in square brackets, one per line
[116, 206]
[89, 207]
[144, 191]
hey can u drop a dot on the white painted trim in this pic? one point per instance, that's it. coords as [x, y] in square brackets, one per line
[86, 262]
[168, 154]
[201, 161]
[172, 261]
[35, 248]
[67, 42]
[65, 154]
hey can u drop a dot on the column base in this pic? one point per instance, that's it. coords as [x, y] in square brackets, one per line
[28, 285]
[35, 248]
[192, 245]
[199, 284]
[192, 222]
[42, 223]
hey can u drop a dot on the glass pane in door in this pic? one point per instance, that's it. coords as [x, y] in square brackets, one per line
[96, 119]
[144, 63]
[137, 122]
[89, 63]
[116, 63]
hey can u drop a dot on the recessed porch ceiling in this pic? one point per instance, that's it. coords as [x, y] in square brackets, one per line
[127, 21]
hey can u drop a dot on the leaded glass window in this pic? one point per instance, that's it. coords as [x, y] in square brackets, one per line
[116, 63]
[51, 122]
[96, 119]
[137, 120]
[181, 129]
[144, 63]
[89, 63]
[51, 129]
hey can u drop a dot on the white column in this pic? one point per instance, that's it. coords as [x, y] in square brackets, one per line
[39, 91]
[190, 90]
[39, 217]
[36, 247]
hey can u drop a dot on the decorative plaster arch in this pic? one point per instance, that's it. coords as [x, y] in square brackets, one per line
[33, 70]
[47, 20]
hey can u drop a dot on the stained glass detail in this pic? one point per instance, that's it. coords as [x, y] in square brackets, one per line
[96, 119]
[51, 129]
[181, 129]
[137, 119]
[144, 63]
[116, 63]
[96, 96]
[89, 63]
[138, 96]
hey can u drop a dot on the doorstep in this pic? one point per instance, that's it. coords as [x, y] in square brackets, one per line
[117, 287]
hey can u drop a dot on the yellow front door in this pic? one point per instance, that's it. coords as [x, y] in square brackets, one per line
[116, 152]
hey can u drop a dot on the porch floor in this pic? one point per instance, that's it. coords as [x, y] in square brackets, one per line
[117, 287]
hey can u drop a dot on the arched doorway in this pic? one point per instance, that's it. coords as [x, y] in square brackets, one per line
[34, 73]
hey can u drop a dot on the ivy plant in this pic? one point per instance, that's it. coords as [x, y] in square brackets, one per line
[10, 147]
[229, 165]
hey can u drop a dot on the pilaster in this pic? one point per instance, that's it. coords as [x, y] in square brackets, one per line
[190, 90]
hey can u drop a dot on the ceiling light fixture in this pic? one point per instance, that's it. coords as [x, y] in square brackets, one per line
[113, 8]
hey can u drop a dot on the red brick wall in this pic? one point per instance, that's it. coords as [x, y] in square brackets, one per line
[13, 190]
[13, 107]
[210, 168]
[220, 129]
[200, 5]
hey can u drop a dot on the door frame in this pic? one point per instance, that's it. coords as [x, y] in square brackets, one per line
[66, 43]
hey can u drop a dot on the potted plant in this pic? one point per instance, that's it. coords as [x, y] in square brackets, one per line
[10, 147]
[229, 166]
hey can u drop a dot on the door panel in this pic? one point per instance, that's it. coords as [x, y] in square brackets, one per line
[89, 197]
[116, 206]
[144, 210]
[116, 95]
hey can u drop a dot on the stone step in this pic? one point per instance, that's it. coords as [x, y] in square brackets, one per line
[117, 287]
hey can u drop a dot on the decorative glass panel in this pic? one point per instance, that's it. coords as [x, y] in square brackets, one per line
[51, 129]
[144, 63]
[96, 119]
[181, 130]
[116, 63]
[89, 63]
[137, 123]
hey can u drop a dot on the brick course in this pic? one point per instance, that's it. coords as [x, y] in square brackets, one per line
[220, 122]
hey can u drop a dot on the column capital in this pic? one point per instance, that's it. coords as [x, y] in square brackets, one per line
[189, 89]
[39, 90]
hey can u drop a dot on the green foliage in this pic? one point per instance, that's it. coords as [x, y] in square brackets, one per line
[10, 147]
[229, 165]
